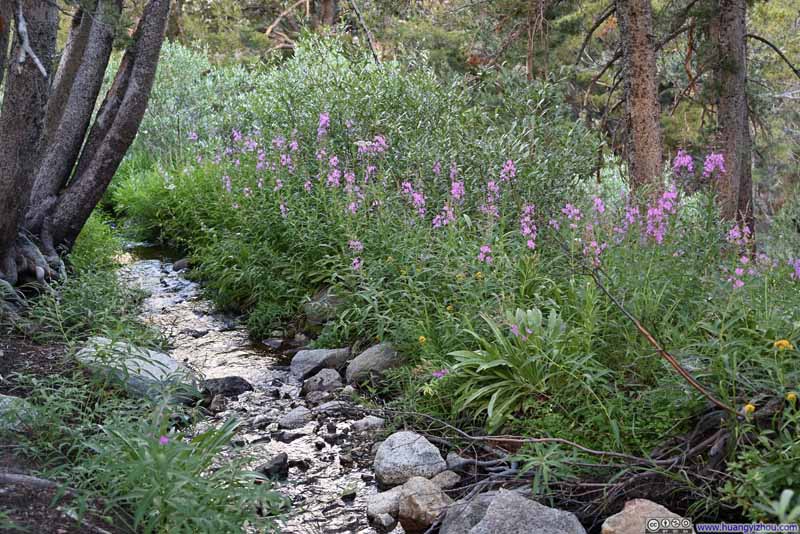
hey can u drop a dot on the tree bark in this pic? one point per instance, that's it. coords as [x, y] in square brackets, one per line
[644, 149]
[22, 120]
[71, 104]
[112, 133]
[733, 128]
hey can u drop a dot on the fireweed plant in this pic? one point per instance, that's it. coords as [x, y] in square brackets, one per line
[460, 230]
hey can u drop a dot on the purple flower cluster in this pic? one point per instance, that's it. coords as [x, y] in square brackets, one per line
[658, 214]
[441, 373]
[713, 162]
[527, 226]
[683, 162]
[378, 145]
[509, 171]
[324, 124]
[485, 255]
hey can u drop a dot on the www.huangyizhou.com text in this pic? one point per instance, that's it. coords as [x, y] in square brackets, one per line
[745, 528]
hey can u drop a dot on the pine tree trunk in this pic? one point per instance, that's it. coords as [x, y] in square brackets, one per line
[643, 145]
[22, 123]
[735, 186]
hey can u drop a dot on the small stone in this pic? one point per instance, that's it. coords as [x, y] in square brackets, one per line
[325, 380]
[373, 361]
[263, 420]
[349, 493]
[387, 502]
[348, 391]
[346, 460]
[405, 455]
[296, 418]
[319, 444]
[287, 437]
[369, 422]
[275, 343]
[421, 504]
[367, 477]
[303, 464]
[330, 428]
[277, 467]
[217, 404]
[333, 408]
[229, 386]
[384, 523]
[318, 397]
[307, 363]
[633, 518]
[180, 265]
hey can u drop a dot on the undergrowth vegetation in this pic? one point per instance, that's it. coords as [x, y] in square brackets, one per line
[143, 460]
[464, 224]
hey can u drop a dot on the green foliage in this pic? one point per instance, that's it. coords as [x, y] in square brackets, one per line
[514, 373]
[269, 223]
[109, 447]
[764, 467]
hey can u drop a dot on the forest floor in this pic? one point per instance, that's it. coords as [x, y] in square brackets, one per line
[26, 506]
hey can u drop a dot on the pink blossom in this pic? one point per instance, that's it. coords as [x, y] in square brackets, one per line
[713, 162]
[356, 263]
[163, 440]
[355, 245]
[457, 190]
[682, 161]
[508, 171]
[485, 254]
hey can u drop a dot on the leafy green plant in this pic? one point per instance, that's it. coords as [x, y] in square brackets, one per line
[514, 372]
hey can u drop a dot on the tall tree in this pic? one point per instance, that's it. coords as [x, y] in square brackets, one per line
[643, 145]
[729, 33]
[54, 167]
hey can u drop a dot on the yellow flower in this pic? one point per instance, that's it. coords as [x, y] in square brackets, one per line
[791, 397]
[783, 344]
[749, 408]
[403, 272]
[389, 259]
[460, 277]
[450, 308]
[479, 275]
[422, 340]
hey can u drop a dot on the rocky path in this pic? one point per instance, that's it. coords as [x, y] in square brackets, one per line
[312, 450]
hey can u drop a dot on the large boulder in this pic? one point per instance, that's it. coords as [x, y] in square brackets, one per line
[404, 455]
[228, 386]
[510, 513]
[633, 518]
[296, 418]
[325, 380]
[14, 413]
[307, 363]
[142, 372]
[421, 503]
[323, 306]
[373, 361]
